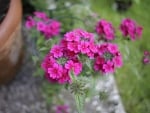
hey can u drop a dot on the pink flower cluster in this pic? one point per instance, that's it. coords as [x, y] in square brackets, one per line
[58, 64]
[64, 57]
[62, 109]
[146, 57]
[80, 41]
[107, 58]
[130, 28]
[48, 27]
[105, 30]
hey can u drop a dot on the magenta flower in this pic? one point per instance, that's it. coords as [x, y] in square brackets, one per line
[52, 28]
[118, 61]
[47, 27]
[62, 109]
[58, 64]
[76, 67]
[57, 51]
[41, 15]
[73, 46]
[30, 23]
[113, 48]
[130, 28]
[47, 62]
[108, 67]
[84, 47]
[55, 71]
[107, 58]
[41, 26]
[71, 36]
[105, 30]
[65, 78]
[146, 57]
[80, 41]
[93, 47]
[55, 27]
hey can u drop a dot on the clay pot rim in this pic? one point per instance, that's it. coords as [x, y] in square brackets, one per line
[11, 21]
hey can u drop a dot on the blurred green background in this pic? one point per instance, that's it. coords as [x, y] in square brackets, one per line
[134, 78]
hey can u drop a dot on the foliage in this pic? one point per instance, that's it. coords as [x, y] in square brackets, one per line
[29, 6]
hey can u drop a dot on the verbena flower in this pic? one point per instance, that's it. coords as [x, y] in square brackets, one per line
[146, 57]
[46, 26]
[105, 30]
[80, 41]
[76, 67]
[62, 109]
[130, 28]
[41, 15]
[57, 65]
[107, 58]
[30, 23]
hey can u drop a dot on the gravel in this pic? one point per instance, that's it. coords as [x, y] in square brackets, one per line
[23, 94]
[112, 104]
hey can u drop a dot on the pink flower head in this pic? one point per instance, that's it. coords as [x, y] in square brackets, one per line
[30, 23]
[105, 30]
[55, 72]
[52, 28]
[84, 47]
[57, 51]
[84, 35]
[47, 62]
[62, 109]
[146, 57]
[55, 27]
[71, 36]
[130, 28]
[113, 48]
[73, 46]
[80, 41]
[118, 61]
[51, 80]
[47, 27]
[59, 62]
[65, 78]
[41, 26]
[41, 15]
[93, 47]
[93, 50]
[108, 67]
[108, 58]
[76, 67]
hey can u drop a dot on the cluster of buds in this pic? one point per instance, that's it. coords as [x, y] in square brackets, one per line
[146, 57]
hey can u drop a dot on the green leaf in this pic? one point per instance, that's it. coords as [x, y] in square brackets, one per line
[43, 49]
[38, 72]
[40, 40]
[35, 59]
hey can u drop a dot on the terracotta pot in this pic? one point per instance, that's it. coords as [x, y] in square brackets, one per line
[11, 42]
